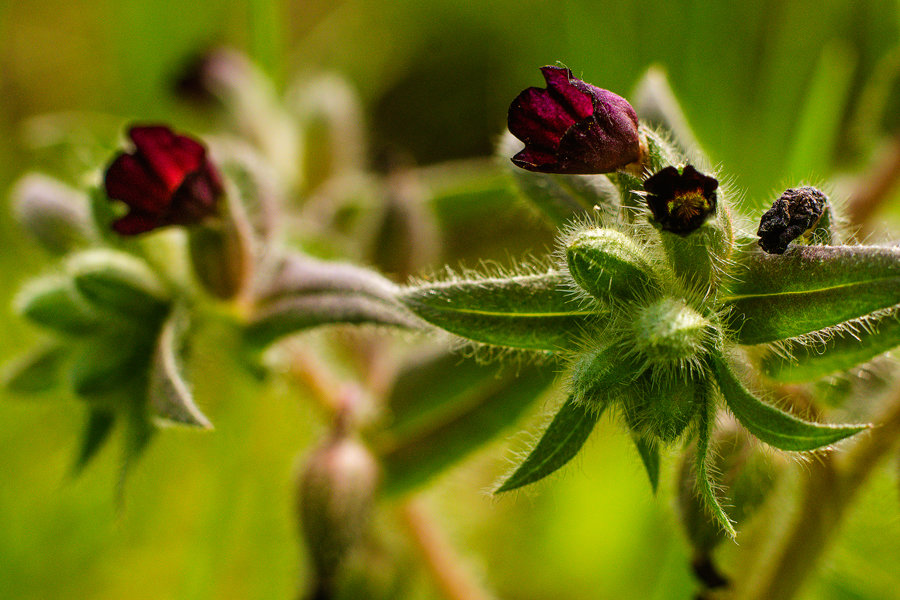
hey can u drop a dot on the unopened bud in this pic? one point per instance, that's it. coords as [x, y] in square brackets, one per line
[57, 215]
[670, 331]
[221, 254]
[336, 495]
[660, 408]
[608, 265]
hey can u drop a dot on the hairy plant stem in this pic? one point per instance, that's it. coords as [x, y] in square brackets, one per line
[450, 577]
[831, 485]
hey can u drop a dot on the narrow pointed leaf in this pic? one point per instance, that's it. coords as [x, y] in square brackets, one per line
[170, 395]
[771, 425]
[561, 441]
[99, 426]
[808, 288]
[704, 483]
[137, 435]
[534, 312]
[38, 371]
[307, 293]
[650, 457]
[842, 350]
[419, 454]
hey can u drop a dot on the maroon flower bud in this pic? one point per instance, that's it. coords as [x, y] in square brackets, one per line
[681, 202]
[573, 127]
[167, 180]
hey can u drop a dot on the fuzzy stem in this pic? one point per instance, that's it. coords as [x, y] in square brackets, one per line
[452, 580]
[831, 486]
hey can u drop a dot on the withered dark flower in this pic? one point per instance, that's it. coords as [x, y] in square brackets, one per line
[573, 127]
[681, 202]
[166, 180]
[794, 214]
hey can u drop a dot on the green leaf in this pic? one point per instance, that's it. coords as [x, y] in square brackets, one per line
[563, 438]
[704, 483]
[307, 293]
[496, 404]
[533, 312]
[650, 457]
[842, 349]
[776, 297]
[137, 435]
[119, 284]
[107, 363]
[37, 371]
[170, 395]
[54, 303]
[771, 425]
[433, 387]
[99, 425]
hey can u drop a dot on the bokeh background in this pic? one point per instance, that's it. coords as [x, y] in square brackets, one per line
[778, 92]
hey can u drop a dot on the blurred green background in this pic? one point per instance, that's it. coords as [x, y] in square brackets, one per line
[773, 90]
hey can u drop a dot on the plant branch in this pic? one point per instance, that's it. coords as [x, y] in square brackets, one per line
[445, 567]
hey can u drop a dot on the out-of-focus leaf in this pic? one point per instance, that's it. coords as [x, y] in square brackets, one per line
[650, 458]
[412, 460]
[119, 284]
[534, 312]
[772, 425]
[107, 363]
[99, 425]
[55, 214]
[656, 103]
[561, 441]
[841, 350]
[54, 303]
[169, 393]
[776, 297]
[37, 371]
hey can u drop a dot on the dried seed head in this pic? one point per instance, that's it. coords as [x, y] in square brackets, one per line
[795, 214]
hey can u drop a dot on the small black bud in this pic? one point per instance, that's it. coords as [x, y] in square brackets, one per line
[796, 213]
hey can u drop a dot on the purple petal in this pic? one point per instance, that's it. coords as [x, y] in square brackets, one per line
[535, 160]
[135, 222]
[562, 84]
[170, 156]
[128, 179]
[535, 117]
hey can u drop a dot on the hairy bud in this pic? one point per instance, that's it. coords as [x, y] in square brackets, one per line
[670, 331]
[336, 494]
[221, 254]
[608, 265]
[659, 408]
[56, 215]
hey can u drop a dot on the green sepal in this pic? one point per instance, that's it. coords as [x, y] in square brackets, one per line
[169, 393]
[649, 453]
[39, 370]
[307, 293]
[841, 349]
[705, 486]
[532, 312]
[119, 284]
[54, 303]
[771, 425]
[106, 363]
[137, 434]
[561, 441]
[97, 429]
[808, 288]
[413, 459]
[609, 265]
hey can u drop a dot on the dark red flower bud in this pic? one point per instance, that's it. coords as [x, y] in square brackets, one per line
[797, 212]
[167, 180]
[681, 202]
[573, 127]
